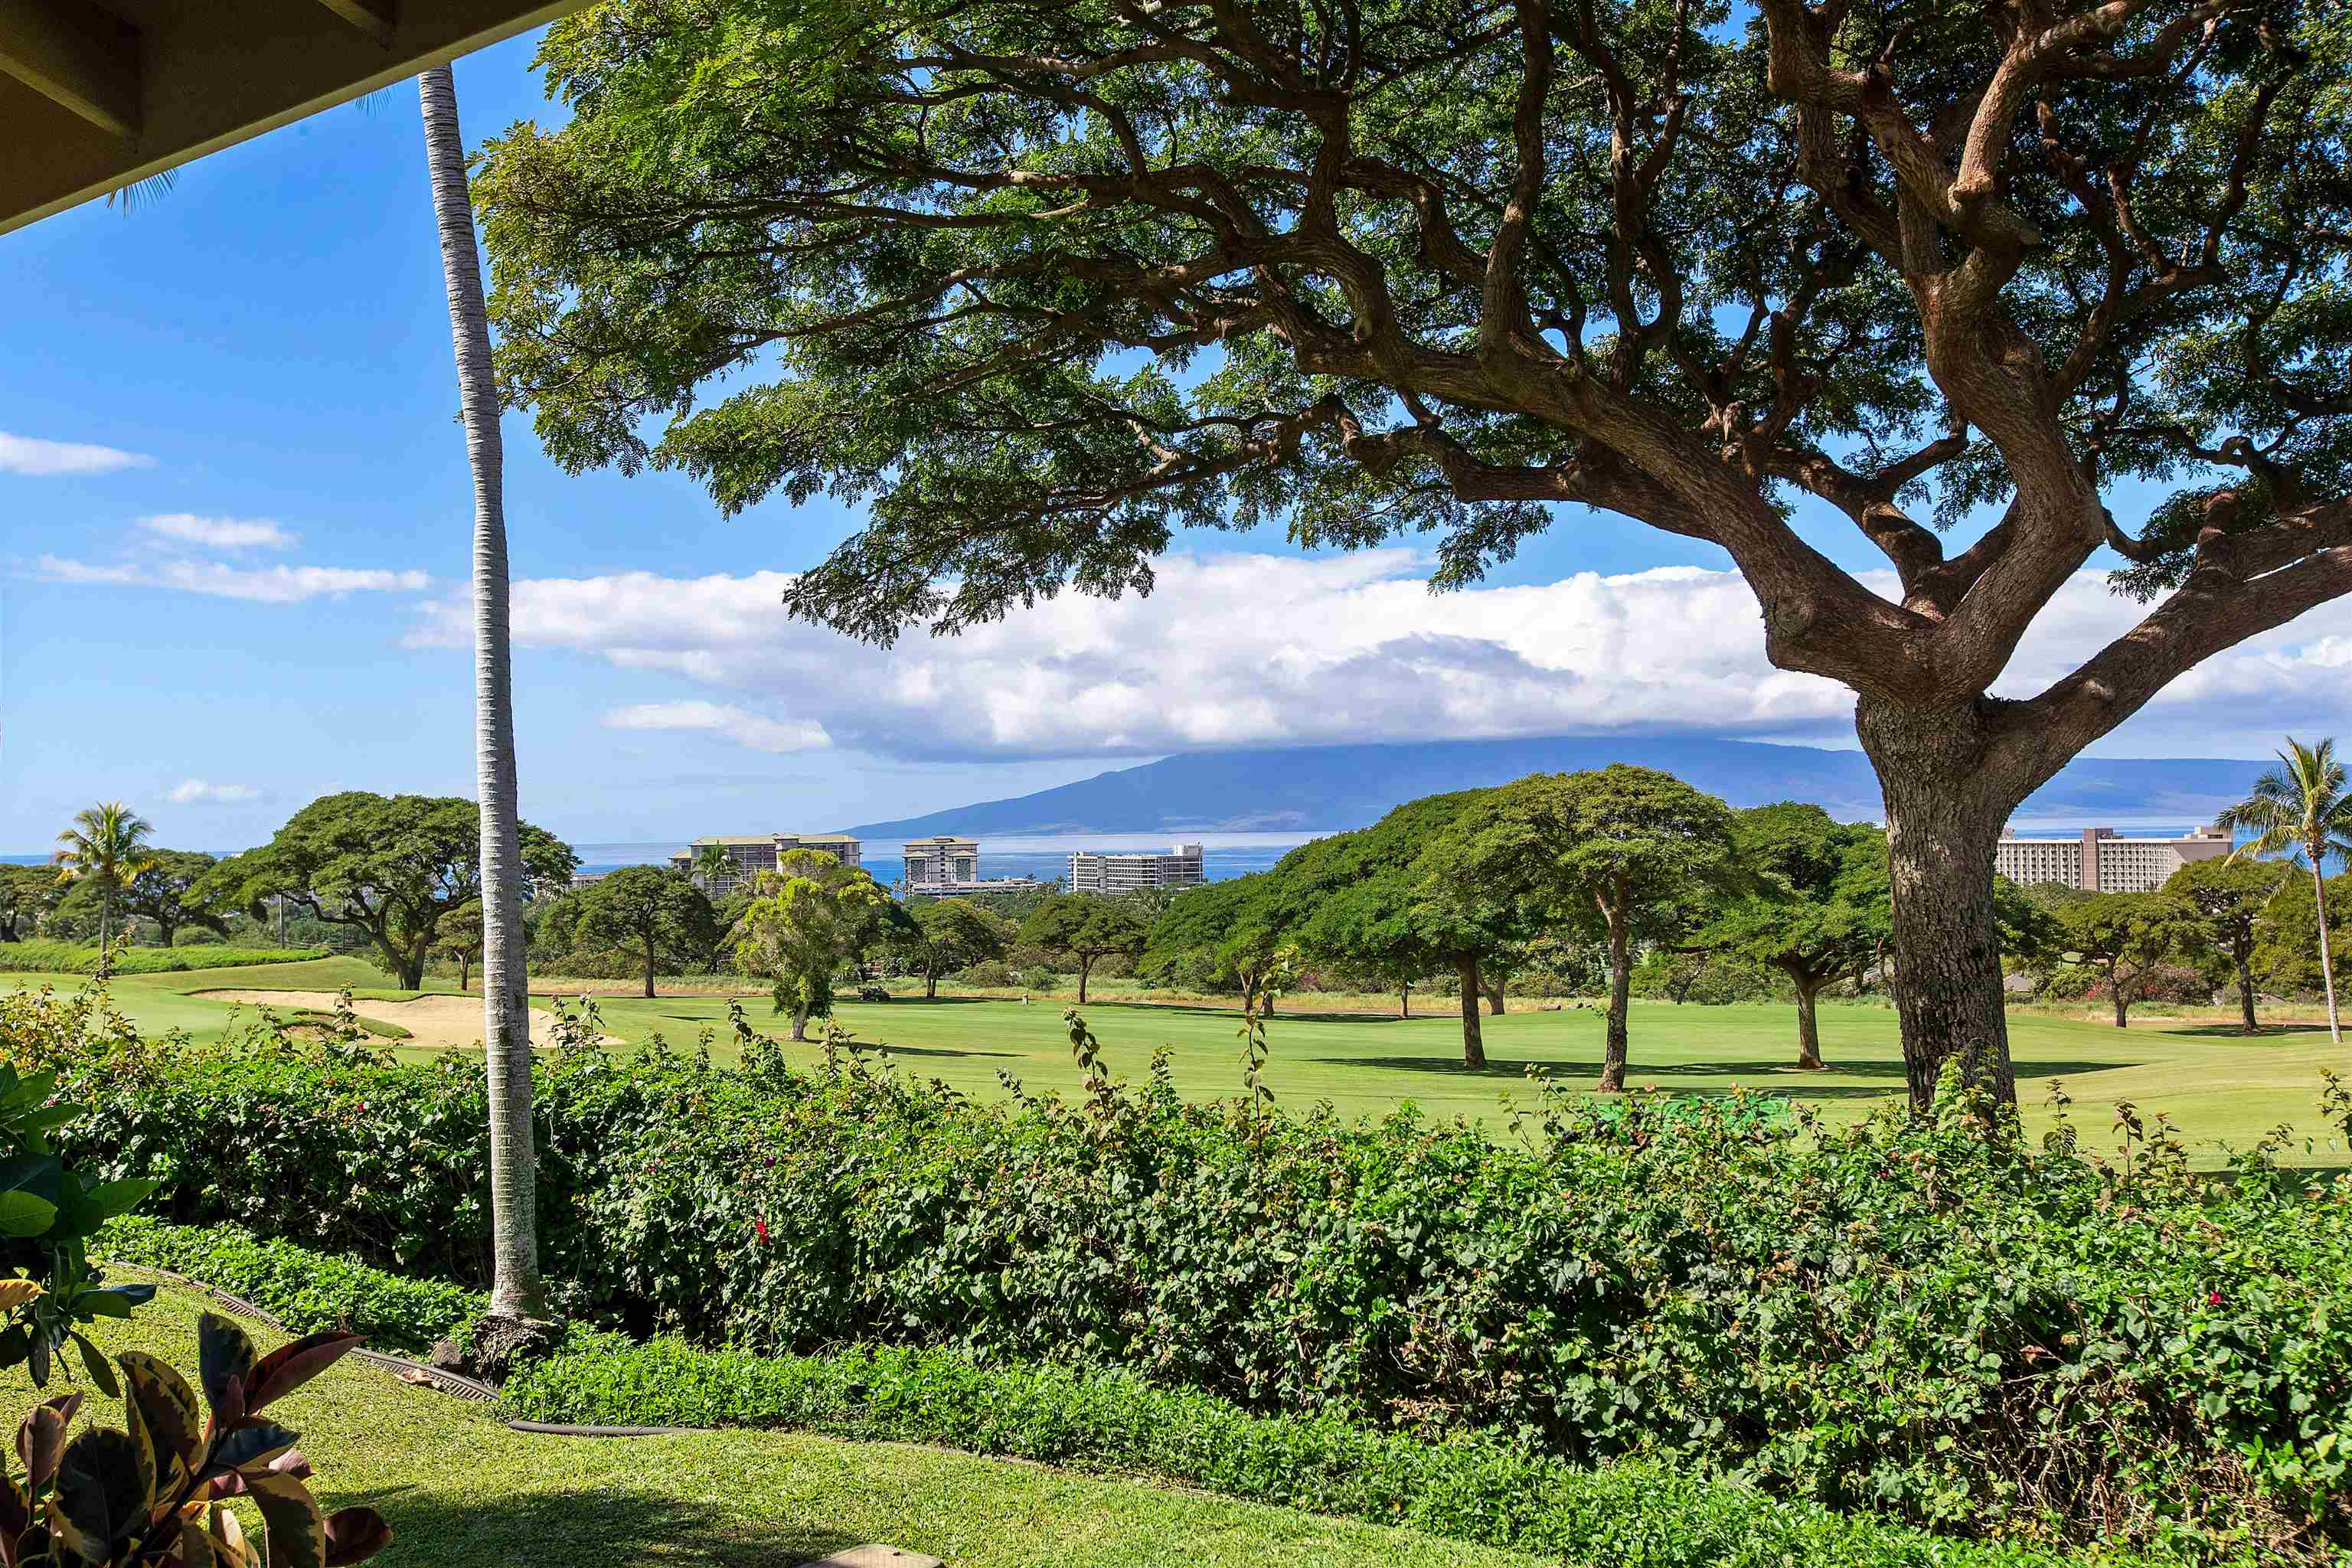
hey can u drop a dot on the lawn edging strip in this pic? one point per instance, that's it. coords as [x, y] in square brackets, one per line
[1475, 1489]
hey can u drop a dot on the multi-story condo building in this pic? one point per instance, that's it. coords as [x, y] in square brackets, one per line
[933, 862]
[2104, 861]
[947, 867]
[1093, 873]
[749, 854]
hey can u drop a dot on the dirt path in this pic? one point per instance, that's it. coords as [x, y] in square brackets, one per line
[436, 1022]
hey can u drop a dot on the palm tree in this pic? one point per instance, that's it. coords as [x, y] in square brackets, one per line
[2301, 807]
[711, 863]
[109, 842]
[515, 1290]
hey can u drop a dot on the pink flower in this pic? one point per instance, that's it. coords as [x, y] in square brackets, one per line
[2212, 1297]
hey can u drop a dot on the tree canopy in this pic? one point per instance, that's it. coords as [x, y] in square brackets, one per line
[808, 917]
[1036, 285]
[941, 935]
[652, 911]
[1814, 904]
[2229, 896]
[391, 866]
[1087, 928]
[2125, 937]
[1629, 852]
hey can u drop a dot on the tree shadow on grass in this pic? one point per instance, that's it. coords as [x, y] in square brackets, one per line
[877, 1046]
[1784, 1075]
[2272, 1033]
[601, 1525]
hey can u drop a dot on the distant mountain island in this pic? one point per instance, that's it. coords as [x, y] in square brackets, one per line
[1307, 789]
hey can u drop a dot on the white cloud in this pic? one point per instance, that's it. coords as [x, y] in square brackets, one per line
[197, 791]
[1247, 650]
[264, 584]
[219, 532]
[753, 730]
[36, 459]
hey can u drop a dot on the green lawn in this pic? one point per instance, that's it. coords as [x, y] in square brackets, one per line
[2216, 1085]
[461, 1490]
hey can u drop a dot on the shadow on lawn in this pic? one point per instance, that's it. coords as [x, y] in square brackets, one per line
[1785, 1077]
[602, 1525]
[2274, 1032]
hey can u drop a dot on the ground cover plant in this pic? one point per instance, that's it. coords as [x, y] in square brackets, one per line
[459, 1490]
[1973, 1335]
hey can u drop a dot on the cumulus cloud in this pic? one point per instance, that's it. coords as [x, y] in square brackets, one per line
[264, 584]
[219, 532]
[39, 459]
[199, 792]
[755, 731]
[1252, 650]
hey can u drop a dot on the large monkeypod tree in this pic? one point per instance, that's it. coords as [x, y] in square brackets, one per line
[1037, 281]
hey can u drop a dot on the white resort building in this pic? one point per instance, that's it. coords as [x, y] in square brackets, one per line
[2104, 861]
[946, 867]
[749, 854]
[1093, 873]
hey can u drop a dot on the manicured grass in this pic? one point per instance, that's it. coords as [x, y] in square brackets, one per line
[460, 1490]
[2217, 1085]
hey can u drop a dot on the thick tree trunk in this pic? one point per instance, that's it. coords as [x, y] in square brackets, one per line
[1474, 1043]
[2327, 965]
[2123, 1008]
[652, 962]
[1809, 1030]
[1404, 1001]
[166, 932]
[1494, 994]
[2246, 996]
[1621, 991]
[931, 985]
[1085, 965]
[465, 971]
[1946, 803]
[800, 1024]
[515, 1288]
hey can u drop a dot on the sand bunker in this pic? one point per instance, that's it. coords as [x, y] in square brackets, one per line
[438, 1022]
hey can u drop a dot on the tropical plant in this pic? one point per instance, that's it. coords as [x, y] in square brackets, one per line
[652, 911]
[1086, 928]
[506, 877]
[2301, 809]
[1628, 852]
[48, 1212]
[393, 867]
[808, 917]
[2229, 896]
[162, 1494]
[106, 845]
[713, 865]
[1220, 935]
[26, 893]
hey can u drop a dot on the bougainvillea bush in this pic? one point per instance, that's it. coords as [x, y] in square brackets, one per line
[1937, 1321]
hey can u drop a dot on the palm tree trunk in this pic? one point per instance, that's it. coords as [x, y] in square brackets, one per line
[2326, 968]
[506, 1018]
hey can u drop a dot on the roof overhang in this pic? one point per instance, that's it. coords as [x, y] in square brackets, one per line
[94, 98]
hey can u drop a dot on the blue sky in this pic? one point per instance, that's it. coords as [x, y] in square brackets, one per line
[265, 604]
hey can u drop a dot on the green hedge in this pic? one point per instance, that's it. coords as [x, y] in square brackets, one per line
[73, 957]
[1958, 1331]
[1627, 1514]
[307, 1290]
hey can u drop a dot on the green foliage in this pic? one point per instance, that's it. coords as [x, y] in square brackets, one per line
[2129, 939]
[48, 1212]
[1949, 1327]
[163, 1495]
[167, 889]
[2229, 896]
[807, 918]
[1708, 979]
[26, 893]
[1629, 1514]
[939, 936]
[2285, 956]
[391, 866]
[306, 1289]
[1086, 928]
[69, 958]
[653, 912]
[105, 847]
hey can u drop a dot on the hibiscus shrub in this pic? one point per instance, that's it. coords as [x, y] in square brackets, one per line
[1937, 1321]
